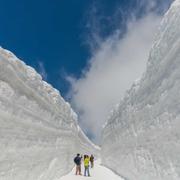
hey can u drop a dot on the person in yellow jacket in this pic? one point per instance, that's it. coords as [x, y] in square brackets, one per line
[86, 165]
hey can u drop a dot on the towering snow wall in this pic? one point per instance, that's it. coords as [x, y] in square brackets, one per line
[141, 139]
[39, 134]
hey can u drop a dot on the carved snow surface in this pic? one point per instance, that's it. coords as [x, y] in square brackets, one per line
[39, 134]
[141, 139]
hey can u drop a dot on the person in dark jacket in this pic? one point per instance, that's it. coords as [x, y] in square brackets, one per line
[92, 161]
[77, 161]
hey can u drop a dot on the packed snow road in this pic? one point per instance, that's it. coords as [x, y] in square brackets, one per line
[97, 173]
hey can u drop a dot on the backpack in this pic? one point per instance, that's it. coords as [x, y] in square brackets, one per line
[76, 160]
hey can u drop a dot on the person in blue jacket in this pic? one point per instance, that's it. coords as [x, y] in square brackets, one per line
[77, 161]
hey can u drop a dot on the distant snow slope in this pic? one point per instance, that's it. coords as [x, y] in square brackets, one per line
[39, 134]
[141, 140]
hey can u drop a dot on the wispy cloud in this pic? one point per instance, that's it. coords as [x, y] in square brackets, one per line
[42, 70]
[113, 67]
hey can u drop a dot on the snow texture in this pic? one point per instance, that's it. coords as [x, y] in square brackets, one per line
[39, 134]
[141, 139]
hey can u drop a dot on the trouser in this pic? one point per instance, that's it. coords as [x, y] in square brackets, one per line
[92, 164]
[86, 170]
[78, 169]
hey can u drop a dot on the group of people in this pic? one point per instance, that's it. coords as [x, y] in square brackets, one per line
[88, 161]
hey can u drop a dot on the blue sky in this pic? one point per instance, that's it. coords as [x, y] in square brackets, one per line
[54, 32]
[47, 31]
[59, 38]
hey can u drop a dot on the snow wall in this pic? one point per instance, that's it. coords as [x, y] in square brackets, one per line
[39, 134]
[141, 139]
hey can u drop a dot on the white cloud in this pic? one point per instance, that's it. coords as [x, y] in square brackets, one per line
[42, 70]
[112, 69]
